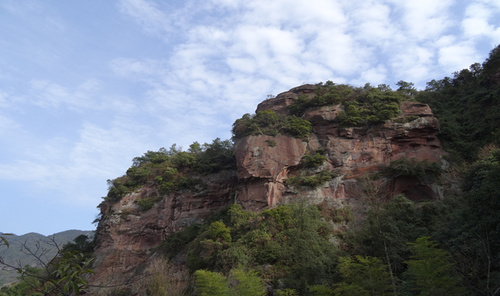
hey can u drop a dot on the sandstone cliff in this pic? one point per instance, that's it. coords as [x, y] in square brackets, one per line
[351, 151]
[127, 235]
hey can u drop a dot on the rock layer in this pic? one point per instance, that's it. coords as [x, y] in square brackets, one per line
[126, 235]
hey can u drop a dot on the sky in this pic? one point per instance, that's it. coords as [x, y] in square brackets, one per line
[86, 86]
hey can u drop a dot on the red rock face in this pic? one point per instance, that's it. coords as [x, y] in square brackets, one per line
[280, 103]
[352, 152]
[126, 235]
[263, 164]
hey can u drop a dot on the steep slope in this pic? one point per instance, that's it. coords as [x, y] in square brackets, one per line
[44, 246]
[349, 151]
[320, 143]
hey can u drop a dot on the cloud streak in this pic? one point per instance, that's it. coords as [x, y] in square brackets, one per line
[79, 99]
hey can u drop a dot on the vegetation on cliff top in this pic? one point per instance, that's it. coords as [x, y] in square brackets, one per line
[362, 105]
[468, 107]
[269, 123]
[173, 169]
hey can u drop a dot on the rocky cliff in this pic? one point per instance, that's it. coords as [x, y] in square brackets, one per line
[273, 169]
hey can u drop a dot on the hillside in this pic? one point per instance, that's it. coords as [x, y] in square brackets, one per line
[317, 144]
[328, 189]
[45, 245]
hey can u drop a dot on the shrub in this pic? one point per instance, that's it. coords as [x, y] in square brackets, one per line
[412, 167]
[311, 180]
[269, 123]
[117, 190]
[147, 203]
[271, 143]
[297, 127]
[313, 161]
[367, 105]
[177, 241]
[215, 157]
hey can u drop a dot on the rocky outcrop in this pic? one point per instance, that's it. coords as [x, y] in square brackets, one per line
[127, 235]
[280, 103]
[263, 165]
[351, 152]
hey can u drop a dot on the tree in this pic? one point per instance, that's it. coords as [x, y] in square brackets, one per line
[430, 270]
[386, 232]
[363, 276]
[65, 274]
[3, 240]
[472, 233]
[407, 88]
[209, 283]
[246, 283]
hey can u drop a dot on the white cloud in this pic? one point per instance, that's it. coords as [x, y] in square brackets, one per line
[457, 57]
[8, 126]
[374, 76]
[147, 15]
[426, 19]
[372, 23]
[127, 67]
[183, 71]
[478, 21]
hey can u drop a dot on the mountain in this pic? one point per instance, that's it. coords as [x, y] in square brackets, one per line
[328, 189]
[313, 143]
[45, 247]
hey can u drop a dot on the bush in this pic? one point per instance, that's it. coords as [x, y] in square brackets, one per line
[297, 127]
[167, 169]
[117, 190]
[269, 123]
[147, 203]
[412, 167]
[311, 180]
[215, 157]
[313, 161]
[362, 106]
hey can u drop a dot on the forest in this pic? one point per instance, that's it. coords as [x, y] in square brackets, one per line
[400, 247]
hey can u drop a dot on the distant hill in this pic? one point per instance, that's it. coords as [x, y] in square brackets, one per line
[43, 246]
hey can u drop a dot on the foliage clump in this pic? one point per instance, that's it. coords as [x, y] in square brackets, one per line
[173, 170]
[468, 107]
[269, 123]
[293, 239]
[362, 106]
[66, 274]
[147, 203]
[413, 167]
[311, 180]
[313, 160]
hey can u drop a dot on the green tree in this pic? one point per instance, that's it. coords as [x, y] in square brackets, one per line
[407, 88]
[472, 232]
[430, 270]
[70, 271]
[363, 276]
[246, 283]
[209, 283]
[386, 232]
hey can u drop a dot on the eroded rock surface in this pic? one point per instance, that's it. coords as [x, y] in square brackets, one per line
[351, 152]
[127, 235]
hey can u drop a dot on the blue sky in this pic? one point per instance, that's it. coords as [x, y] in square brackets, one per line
[85, 86]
